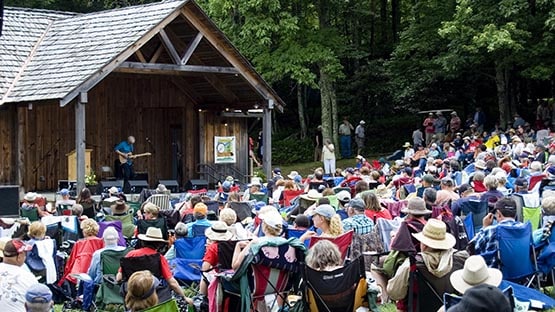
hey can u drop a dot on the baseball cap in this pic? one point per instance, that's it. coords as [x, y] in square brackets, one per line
[325, 211]
[482, 298]
[428, 178]
[15, 247]
[64, 192]
[277, 171]
[272, 219]
[38, 293]
[200, 208]
[357, 203]
[521, 182]
[343, 196]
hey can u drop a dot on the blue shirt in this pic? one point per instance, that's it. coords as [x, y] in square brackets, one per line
[486, 244]
[360, 223]
[201, 222]
[125, 148]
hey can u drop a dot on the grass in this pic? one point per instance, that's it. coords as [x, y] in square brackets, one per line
[308, 168]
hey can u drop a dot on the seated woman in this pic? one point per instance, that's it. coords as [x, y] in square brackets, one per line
[40, 259]
[324, 256]
[85, 200]
[218, 232]
[141, 291]
[325, 219]
[373, 209]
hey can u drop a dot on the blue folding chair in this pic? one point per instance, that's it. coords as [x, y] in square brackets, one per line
[516, 254]
[189, 252]
[297, 234]
[476, 210]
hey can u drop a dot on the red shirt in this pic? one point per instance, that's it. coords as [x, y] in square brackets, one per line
[145, 251]
[211, 254]
[375, 215]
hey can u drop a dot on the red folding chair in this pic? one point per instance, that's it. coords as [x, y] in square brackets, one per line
[342, 241]
[289, 195]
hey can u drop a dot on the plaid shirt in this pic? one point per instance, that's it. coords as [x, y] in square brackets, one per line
[486, 244]
[360, 223]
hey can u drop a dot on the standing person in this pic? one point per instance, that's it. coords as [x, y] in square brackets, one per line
[328, 155]
[345, 138]
[251, 152]
[260, 146]
[360, 136]
[125, 150]
[15, 280]
[455, 122]
[429, 128]
[417, 137]
[318, 141]
[479, 119]
[440, 125]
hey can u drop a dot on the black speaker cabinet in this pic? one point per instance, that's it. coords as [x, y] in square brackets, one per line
[103, 186]
[9, 201]
[71, 185]
[196, 185]
[171, 185]
[136, 186]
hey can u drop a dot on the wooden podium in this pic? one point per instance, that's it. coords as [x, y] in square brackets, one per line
[72, 164]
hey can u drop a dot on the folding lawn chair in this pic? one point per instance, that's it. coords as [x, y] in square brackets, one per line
[289, 195]
[128, 227]
[117, 225]
[274, 265]
[476, 210]
[160, 200]
[152, 263]
[516, 254]
[109, 291]
[166, 306]
[32, 214]
[343, 289]
[342, 241]
[385, 228]
[242, 209]
[189, 252]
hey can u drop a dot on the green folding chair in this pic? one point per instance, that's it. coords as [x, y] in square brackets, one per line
[109, 292]
[128, 228]
[31, 214]
[166, 306]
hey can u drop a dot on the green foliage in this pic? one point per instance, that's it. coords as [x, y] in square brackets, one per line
[291, 150]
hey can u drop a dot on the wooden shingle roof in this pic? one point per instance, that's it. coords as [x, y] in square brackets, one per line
[47, 55]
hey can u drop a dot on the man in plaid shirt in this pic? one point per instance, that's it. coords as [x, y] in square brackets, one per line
[485, 242]
[357, 220]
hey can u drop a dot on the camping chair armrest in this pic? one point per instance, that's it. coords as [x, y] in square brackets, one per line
[111, 279]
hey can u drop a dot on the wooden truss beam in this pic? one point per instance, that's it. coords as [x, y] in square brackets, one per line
[136, 67]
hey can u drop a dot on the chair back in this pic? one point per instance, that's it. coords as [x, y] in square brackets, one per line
[166, 306]
[190, 247]
[259, 197]
[242, 209]
[32, 214]
[342, 241]
[127, 224]
[514, 251]
[63, 210]
[213, 206]
[297, 234]
[343, 289]
[116, 224]
[531, 209]
[535, 181]
[160, 200]
[289, 195]
[385, 227]
[199, 230]
[334, 202]
[160, 222]
[479, 210]
[108, 292]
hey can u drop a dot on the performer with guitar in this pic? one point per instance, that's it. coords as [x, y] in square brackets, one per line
[125, 151]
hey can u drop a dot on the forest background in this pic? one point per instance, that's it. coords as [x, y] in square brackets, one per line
[382, 61]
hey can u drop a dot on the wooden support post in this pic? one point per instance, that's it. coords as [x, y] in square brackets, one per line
[80, 144]
[267, 140]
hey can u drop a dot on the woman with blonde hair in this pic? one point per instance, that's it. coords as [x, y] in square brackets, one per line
[141, 291]
[324, 256]
[374, 209]
[325, 219]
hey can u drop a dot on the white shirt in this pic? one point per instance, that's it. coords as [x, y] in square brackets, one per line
[14, 282]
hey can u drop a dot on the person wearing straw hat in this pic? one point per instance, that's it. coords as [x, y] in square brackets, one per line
[408, 153]
[218, 232]
[152, 240]
[436, 261]
[475, 272]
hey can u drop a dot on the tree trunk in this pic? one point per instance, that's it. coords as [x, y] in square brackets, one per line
[300, 107]
[327, 123]
[501, 82]
[395, 19]
[383, 18]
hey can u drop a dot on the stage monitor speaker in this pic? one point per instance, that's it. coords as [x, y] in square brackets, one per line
[171, 185]
[196, 184]
[103, 186]
[71, 185]
[140, 175]
[136, 186]
[9, 201]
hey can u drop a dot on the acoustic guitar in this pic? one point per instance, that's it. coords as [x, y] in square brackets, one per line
[123, 159]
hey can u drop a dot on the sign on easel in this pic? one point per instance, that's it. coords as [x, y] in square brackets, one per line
[224, 150]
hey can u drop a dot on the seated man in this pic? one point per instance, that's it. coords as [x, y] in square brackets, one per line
[357, 220]
[110, 237]
[485, 241]
[65, 201]
[200, 224]
[436, 261]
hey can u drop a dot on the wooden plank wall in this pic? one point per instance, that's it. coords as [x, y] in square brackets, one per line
[8, 153]
[121, 105]
[216, 126]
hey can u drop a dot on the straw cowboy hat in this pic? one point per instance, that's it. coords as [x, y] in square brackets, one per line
[407, 144]
[312, 195]
[219, 231]
[256, 181]
[475, 272]
[30, 197]
[480, 164]
[434, 235]
[382, 192]
[153, 234]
